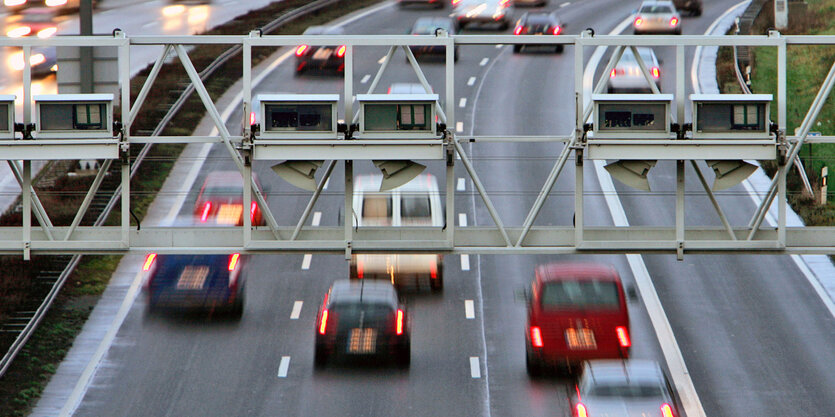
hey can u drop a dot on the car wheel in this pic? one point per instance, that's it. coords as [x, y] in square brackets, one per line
[237, 310]
[560, 48]
[517, 49]
[505, 26]
[678, 31]
[437, 284]
[403, 357]
[533, 366]
[320, 358]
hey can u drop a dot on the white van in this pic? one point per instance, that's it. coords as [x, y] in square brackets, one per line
[416, 203]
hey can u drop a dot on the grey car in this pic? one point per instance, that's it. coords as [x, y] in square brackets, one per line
[657, 17]
[626, 76]
[623, 388]
[482, 12]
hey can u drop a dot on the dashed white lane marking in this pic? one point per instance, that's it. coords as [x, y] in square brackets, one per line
[459, 127]
[484, 61]
[306, 261]
[297, 310]
[317, 217]
[499, 46]
[565, 4]
[465, 262]
[283, 366]
[471, 81]
[462, 219]
[469, 309]
[365, 78]
[381, 60]
[475, 368]
[462, 102]
[462, 185]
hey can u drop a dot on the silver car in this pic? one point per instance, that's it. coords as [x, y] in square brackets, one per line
[623, 388]
[484, 12]
[626, 76]
[657, 17]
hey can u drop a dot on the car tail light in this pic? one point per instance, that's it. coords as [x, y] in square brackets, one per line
[433, 268]
[206, 209]
[667, 410]
[18, 2]
[623, 336]
[639, 21]
[251, 118]
[19, 31]
[54, 3]
[253, 208]
[360, 267]
[614, 73]
[149, 260]
[656, 72]
[233, 261]
[399, 325]
[673, 21]
[518, 30]
[340, 52]
[301, 50]
[536, 336]
[323, 325]
[45, 33]
[581, 410]
[455, 2]
[504, 2]
[557, 30]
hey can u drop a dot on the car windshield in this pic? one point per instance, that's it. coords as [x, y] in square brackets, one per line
[580, 294]
[656, 9]
[626, 390]
[415, 209]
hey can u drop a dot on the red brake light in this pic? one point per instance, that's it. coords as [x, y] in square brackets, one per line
[301, 50]
[251, 118]
[149, 260]
[614, 73]
[623, 336]
[518, 30]
[324, 323]
[252, 209]
[454, 2]
[638, 21]
[581, 410]
[656, 72]
[206, 209]
[433, 268]
[673, 21]
[340, 52]
[536, 336]
[233, 261]
[666, 410]
[399, 321]
[503, 2]
[360, 267]
[557, 30]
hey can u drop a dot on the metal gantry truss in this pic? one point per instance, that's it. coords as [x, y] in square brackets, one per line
[526, 238]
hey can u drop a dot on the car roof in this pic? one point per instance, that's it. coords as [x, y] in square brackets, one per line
[362, 291]
[370, 183]
[560, 271]
[324, 30]
[628, 371]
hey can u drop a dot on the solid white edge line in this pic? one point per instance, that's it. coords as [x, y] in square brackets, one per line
[308, 257]
[666, 338]
[462, 219]
[297, 310]
[565, 4]
[465, 262]
[461, 185]
[475, 368]
[283, 367]
[469, 309]
[317, 218]
[694, 66]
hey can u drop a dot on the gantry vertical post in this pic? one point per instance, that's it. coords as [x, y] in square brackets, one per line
[680, 209]
[450, 136]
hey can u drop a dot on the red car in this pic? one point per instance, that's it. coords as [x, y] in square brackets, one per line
[221, 200]
[576, 312]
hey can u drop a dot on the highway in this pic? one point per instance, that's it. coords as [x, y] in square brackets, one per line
[755, 337]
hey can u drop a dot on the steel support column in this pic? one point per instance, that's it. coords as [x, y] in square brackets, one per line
[680, 208]
[40, 212]
[713, 201]
[94, 188]
[313, 199]
[27, 208]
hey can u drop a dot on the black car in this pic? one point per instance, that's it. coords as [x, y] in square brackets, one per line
[539, 23]
[438, 4]
[693, 7]
[362, 319]
[428, 26]
[196, 282]
[321, 57]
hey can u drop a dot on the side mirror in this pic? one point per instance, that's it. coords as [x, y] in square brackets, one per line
[631, 293]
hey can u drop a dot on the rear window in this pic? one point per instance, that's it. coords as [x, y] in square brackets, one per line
[626, 390]
[415, 209]
[580, 294]
[376, 209]
[656, 9]
[646, 56]
[351, 312]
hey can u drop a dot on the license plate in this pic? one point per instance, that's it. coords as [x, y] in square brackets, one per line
[323, 53]
[580, 339]
[362, 341]
[193, 277]
[229, 213]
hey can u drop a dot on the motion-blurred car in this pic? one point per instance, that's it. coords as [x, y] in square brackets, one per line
[623, 388]
[627, 77]
[538, 23]
[693, 7]
[534, 3]
[195, 282]
[43, 61]
[483, 12]
[361, 319]
[221, 198]
[36, 21]
[416, 203]
[576, 312]
[657, 17]
[438, 4]
[321, 57]
[62, 6]
[428, 26]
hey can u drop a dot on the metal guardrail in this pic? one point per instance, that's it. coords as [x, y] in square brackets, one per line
[217, 63]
